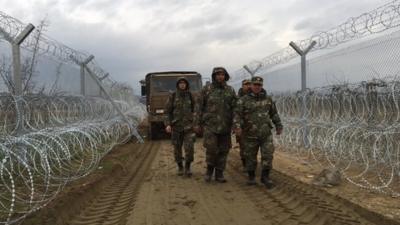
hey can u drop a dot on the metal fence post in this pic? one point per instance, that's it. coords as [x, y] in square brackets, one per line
[96, 79]
[16, 53]
[252, 72]
[16, 61]
[17, 78]
[101, 80]
[82, 66]
[82, 73]
[106, 94]
[83, 78]
[303, 54]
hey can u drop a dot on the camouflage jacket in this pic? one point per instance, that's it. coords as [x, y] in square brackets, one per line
[215, 108]
[256, 115]
[179, 110]
[241, 93]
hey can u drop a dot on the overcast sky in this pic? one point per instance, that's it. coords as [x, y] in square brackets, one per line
[130, 38]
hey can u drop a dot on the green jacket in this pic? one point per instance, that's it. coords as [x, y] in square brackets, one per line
[241, 93]
[256, 115]
[215, 108]
[179, 110]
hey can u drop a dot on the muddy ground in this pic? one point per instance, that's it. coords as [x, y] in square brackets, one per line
[304, 169]
[137, 184]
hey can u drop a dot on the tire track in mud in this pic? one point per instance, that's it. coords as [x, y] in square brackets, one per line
[172, 200]
[116, 200]
[151, 193]
[294, 202]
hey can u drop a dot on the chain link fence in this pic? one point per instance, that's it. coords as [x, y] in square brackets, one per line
[60, 113]
[348, 117]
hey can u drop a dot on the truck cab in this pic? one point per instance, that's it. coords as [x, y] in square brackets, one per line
[157, 87]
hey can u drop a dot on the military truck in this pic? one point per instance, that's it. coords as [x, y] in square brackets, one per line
[156, 87]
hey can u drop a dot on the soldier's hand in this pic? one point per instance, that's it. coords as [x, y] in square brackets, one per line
[238, 132]
[279, 131]
[197, 129]
[168, 129]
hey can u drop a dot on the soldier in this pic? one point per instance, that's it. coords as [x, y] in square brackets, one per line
[179, 123]
[215, 114]
[255, 116]
[244, 90]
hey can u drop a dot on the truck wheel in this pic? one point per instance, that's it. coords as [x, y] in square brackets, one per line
[152, 131]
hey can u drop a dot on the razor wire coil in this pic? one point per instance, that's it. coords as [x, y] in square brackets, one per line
[355, 128]
[49, 140]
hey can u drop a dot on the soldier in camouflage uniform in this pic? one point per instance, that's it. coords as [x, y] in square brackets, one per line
[255, 116]
[179, 123]
[244, 90]
[215, 114]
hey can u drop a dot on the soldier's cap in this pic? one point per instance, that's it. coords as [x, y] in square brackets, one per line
[218, 70]
[257, 80]
[246, 81]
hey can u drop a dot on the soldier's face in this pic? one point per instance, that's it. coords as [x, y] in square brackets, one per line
[256, 88]
[220, 77]
[246, 87]
[182, 85]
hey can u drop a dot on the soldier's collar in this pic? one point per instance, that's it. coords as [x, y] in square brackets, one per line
[262, 93]
[219, 85]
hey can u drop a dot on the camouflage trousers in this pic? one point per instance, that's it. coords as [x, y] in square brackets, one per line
[217, 148]
[185, 139]
[239, 140]
[251, 147]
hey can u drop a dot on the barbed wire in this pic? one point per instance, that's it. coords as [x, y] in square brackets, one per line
[355, 128]
[381, 19]
[48, 140]
[10, 28]
[68, 137]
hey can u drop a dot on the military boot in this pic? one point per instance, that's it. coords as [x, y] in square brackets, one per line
[209, 173]
[265, 179]
[180, 169]
[219, 176]
[188, 172]
[252, 178]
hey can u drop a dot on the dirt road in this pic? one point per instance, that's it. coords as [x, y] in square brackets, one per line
[147, 191]
[166, 198]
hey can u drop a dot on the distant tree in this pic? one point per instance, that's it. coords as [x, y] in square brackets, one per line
[6, 74]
